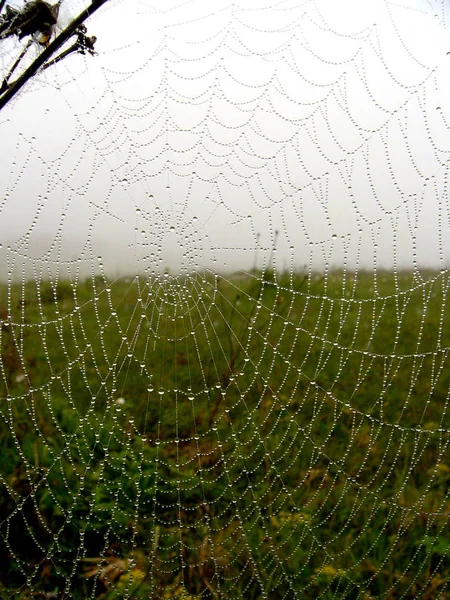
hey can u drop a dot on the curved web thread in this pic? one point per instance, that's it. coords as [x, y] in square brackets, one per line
[224, 328]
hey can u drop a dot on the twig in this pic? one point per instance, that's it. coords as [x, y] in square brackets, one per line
[46, 55]
[60, 57]
[82, 45]
[4, 86]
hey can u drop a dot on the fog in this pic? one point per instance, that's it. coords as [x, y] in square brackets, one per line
[228, 136]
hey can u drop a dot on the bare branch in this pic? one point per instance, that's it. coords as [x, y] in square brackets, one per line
[82, 45]
[14, 67]
[47, 54]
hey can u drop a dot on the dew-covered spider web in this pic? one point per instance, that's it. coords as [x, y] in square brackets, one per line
[225, 252]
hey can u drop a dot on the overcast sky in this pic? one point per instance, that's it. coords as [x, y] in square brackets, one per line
[207, 134]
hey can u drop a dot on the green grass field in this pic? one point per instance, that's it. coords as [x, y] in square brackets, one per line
[240, 437]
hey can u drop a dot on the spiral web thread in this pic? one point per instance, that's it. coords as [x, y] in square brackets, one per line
[224, 341]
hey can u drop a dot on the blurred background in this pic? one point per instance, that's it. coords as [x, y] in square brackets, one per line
[206, 136]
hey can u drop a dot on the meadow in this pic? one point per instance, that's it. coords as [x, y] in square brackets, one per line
[258, 435]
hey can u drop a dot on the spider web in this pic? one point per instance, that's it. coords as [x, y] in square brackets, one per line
[224, 322]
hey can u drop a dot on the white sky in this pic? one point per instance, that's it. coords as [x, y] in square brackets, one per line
[201, 129]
